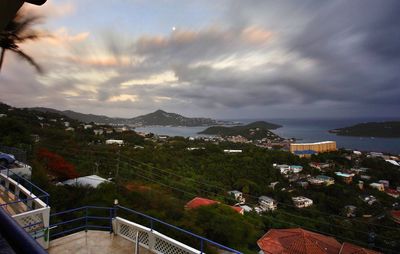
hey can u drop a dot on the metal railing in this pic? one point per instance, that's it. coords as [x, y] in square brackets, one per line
[78, 219]
[202, 241]
[19, 186]
[23, 200]
[105, 218]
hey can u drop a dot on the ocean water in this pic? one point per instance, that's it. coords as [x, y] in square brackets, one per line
[305, 130]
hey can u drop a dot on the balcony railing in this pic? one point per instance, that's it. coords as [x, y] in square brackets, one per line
[105, 218]
[23, 200]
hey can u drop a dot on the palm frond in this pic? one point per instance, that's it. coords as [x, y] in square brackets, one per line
[24, 56]
[23, 24]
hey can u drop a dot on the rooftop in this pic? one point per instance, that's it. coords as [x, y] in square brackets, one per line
[297, 240]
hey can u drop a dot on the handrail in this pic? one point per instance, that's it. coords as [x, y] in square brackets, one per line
[112, 211]
[203, 239]
[30, 187]
[84, 218]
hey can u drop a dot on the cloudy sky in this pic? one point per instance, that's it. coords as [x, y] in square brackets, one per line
[223, 59]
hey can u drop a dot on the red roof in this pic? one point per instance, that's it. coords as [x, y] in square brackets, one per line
[238, 209]
[392, 191]
[396, 215]
[297, 241]
[348, 248]
[197, 202]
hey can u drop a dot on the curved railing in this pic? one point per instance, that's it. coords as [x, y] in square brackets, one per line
[105, 218]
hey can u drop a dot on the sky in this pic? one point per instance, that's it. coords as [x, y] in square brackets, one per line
[229, 59]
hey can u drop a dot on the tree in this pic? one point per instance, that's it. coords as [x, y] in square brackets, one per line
[16, 32]
[57, 165]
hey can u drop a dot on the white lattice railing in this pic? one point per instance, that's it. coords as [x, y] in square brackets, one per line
[150, 239]
[30, 211]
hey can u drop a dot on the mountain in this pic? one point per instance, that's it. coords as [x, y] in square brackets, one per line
[158, 117]
[161, 117]
[371, 129]
[253, 131]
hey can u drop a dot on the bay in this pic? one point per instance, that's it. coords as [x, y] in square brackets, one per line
[305, 130]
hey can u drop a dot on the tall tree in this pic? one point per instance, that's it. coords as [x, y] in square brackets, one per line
[19, 30]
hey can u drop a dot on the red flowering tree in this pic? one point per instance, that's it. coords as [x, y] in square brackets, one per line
[57, 165]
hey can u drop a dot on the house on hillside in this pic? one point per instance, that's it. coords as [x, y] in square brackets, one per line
[232, 151]
[238, 195]
[91, 181]
[267, 203]
[378, 186]
[302, 202]
[286, 169]
[346, 178]
[98, 131]
[301, 241]
[297, 240]
[321, 180]
[114, 142]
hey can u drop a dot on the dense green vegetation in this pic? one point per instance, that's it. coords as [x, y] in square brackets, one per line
[160, 176]
[372, 129]
[253, 131]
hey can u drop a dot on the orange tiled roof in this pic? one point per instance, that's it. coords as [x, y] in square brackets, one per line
[297, 241]
[348, 248]
[197, 202]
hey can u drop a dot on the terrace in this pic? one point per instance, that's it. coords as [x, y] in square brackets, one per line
[29, 226]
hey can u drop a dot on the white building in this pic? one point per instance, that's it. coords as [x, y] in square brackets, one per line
[378, 186]
[246, 208]
[232, 151]
[238, 196]
[98, 132]
[87, 126]
[267, 203]
[114, 142]
[302, 202]
[286, 169]
[92, 181]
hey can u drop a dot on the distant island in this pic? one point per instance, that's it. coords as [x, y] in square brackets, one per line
[253, 131]
[372, 129]
[159, 117]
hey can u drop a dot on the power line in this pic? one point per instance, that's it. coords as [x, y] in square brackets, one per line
[223, 189]
[193, 194]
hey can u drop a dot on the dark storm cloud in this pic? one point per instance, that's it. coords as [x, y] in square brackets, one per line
[287, 55]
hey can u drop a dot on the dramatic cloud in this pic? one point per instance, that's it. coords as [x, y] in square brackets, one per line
[240, 59]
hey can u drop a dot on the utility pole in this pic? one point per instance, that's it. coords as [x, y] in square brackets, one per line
[118, 158]
[97, 168]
